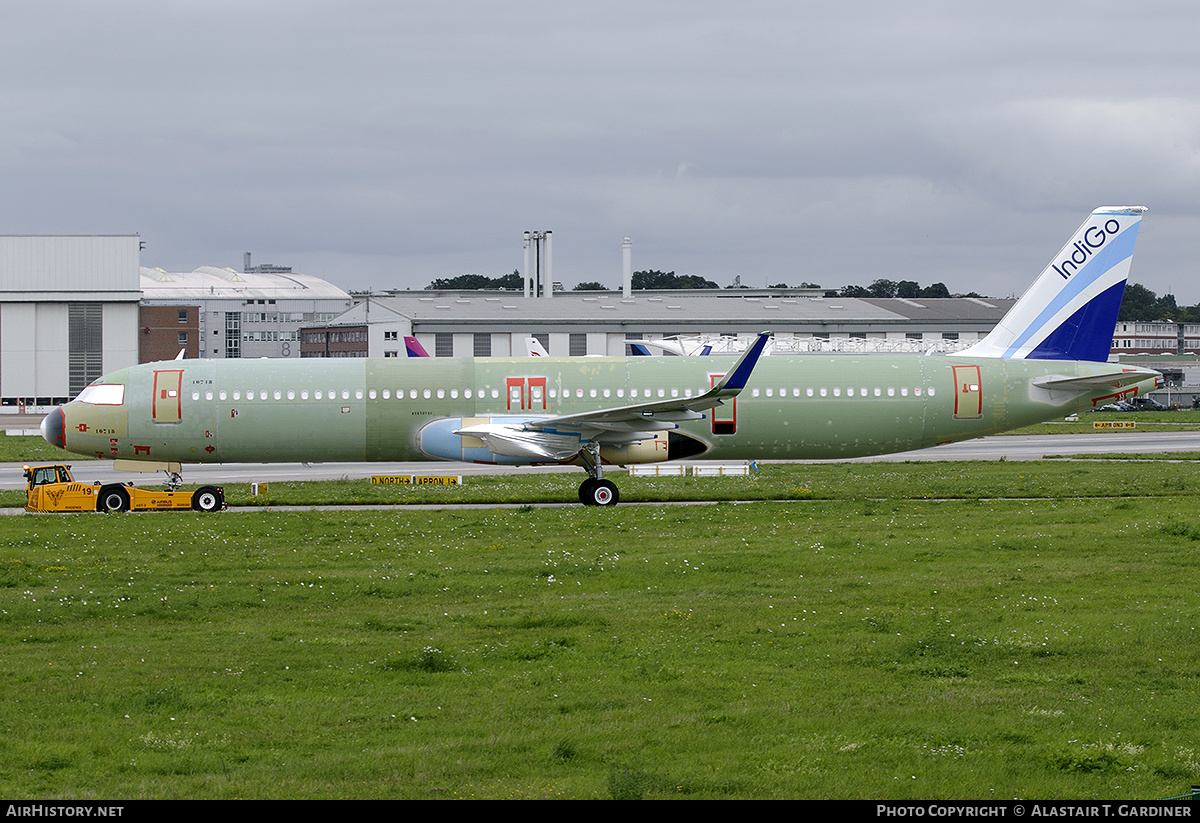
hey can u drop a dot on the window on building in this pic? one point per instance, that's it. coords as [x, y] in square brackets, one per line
[443, 344]
[483, 345]
[183, 315]
[233, 334]
[577, 345]
[85, 341]
[182, 338]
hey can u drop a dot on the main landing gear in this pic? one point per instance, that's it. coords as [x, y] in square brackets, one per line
[596, 491]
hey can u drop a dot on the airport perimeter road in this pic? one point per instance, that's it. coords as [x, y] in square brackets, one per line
[986, 448]
[1035, 447]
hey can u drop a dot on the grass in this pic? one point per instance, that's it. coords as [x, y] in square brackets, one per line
[27, 448]
[1167, 421]
[892, 635]
[773, 482]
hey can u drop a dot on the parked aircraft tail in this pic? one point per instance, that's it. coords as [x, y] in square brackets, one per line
[1070, 311]
[534, 349]
[414, 348]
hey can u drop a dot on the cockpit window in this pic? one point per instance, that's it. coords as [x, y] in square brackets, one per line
[103, 394]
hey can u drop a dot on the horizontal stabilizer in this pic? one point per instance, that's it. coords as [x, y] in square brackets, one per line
[1113, 380]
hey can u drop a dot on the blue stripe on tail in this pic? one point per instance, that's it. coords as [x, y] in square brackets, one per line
[1087, 334]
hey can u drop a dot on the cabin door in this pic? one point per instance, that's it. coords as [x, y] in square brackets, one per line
[968, 394]
[166, 405]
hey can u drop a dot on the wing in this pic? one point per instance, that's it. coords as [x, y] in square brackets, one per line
[562, 436]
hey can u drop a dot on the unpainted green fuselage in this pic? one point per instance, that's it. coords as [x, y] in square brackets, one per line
[793, 407]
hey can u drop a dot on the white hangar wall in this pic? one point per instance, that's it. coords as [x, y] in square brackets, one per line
[68, 314]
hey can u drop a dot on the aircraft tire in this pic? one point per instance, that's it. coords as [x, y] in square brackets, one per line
[113, 499]
[585, 492]
[207, 499]
[599, 493]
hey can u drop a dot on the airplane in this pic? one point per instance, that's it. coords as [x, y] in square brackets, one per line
[1046, 358]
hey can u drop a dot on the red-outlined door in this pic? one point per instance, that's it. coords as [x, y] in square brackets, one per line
[166, 406]
[968, 394]
[724, 417]
[516, 392]
[525, 393]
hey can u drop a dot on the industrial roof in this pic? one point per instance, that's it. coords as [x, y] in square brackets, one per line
[208, 282]
[685, 308]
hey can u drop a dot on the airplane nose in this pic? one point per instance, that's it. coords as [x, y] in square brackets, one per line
[54, 428]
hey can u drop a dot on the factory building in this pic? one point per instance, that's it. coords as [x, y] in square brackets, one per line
[217, 313]
[68, 314]
[577, 324]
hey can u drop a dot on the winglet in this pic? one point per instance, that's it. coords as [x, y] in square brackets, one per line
[735, 379]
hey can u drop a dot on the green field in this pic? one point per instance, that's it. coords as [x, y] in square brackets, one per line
[1149, 421]
[971, 630]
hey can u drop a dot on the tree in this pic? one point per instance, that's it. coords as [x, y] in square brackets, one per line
[670, 280]
[590, 285]
[512, 282]
[882, 288]
[1139, 303]
[935, 290]
[908, 289]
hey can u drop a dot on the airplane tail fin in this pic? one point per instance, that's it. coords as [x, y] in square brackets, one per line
[1070, 311]
[533, 348]
[414, 348]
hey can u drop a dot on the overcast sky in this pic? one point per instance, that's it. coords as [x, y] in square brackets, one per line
[386, 144]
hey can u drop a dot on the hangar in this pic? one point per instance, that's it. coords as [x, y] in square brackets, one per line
[68, 314]
[581, 323]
